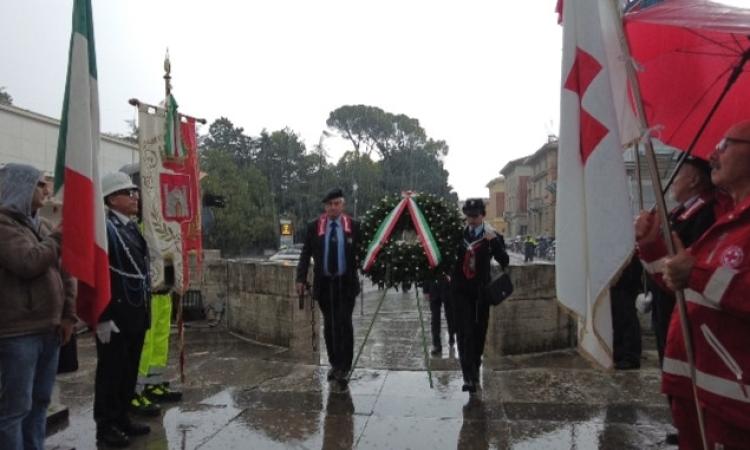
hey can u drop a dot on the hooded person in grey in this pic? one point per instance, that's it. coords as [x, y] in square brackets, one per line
[36, 310]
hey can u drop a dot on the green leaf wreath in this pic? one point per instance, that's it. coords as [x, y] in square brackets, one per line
[402, 259]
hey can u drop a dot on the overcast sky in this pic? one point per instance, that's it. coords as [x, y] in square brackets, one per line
[482, 75]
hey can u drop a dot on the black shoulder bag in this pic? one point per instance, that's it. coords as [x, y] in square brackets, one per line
[499, 288]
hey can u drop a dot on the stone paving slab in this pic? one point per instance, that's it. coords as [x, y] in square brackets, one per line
[242, 395]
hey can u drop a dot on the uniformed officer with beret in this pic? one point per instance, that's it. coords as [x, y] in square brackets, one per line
[332, 240]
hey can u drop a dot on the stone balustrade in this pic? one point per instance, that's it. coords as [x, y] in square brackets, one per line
[261, 303]
[530, 320]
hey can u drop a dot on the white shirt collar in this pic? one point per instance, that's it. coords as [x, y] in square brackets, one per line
[122, 217]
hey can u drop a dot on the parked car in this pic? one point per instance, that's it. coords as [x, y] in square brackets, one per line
[287, 254]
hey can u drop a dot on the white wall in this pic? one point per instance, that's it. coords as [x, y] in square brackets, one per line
[31, 138]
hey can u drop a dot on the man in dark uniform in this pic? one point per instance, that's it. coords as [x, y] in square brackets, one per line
[471, 275]
[332, 241]
[123, 323]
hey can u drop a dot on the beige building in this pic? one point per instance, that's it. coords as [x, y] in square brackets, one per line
[542, 189]
[496, 204]
[517, 175]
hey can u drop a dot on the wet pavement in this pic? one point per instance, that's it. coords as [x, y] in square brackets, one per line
[242, 395]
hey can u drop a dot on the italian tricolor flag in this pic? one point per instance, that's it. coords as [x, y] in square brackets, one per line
[84, 247]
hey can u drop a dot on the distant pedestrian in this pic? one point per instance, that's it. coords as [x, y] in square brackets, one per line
[38, 307]
[529, 247]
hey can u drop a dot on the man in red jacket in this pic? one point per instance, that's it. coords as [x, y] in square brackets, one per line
[714, 273]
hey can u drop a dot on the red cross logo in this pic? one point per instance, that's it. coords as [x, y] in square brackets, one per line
[584, 70]
[732, 257]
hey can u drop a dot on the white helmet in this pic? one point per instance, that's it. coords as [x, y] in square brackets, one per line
[116, 181]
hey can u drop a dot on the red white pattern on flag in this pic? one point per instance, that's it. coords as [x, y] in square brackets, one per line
[594, 228]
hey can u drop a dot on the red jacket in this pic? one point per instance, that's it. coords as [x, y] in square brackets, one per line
[718, 305]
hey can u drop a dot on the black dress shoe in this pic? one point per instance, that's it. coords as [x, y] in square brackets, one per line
[672, 439]
[135, 429]
[437, 350]
[469, 387]
[112, 436]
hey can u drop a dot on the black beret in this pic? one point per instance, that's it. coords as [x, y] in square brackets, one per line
[473, 206]
[333, 193]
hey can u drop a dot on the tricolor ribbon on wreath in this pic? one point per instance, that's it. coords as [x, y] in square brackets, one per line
[421, 226]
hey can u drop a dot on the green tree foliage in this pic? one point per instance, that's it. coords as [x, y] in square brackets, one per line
[368, 176]
[274, 176]
[410, 159]
[5, 98]
[223, 135]
[246, 223]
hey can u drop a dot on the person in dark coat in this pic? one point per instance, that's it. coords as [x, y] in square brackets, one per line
[626, 329]
[331, 240]
[122, 325]
[470, 277]
[438, 294]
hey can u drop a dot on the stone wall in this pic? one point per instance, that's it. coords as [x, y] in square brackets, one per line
[259, 300]
[261, 303]
[531, 319]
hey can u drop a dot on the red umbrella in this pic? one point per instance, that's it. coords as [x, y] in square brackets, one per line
[693, 74]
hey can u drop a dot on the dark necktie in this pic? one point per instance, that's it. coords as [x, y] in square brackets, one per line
[333, 250]
[132, 228]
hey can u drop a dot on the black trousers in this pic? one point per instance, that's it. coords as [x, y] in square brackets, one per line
[661, 314]
[472, 316]
[626, 329]
[436, 302]
[116, 375]
[338, 331]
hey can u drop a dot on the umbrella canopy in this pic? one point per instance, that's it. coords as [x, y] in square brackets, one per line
[687, 51]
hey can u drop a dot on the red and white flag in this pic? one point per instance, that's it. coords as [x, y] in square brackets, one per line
[84, 245]
[594, 219]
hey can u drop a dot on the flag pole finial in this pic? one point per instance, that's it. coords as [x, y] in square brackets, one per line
[167, 74]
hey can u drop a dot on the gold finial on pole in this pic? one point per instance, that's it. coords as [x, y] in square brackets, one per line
[167, 74]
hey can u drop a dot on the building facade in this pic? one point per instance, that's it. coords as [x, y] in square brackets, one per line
[666, 160]
[542, 189]
[517, 175]
[496, 204]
